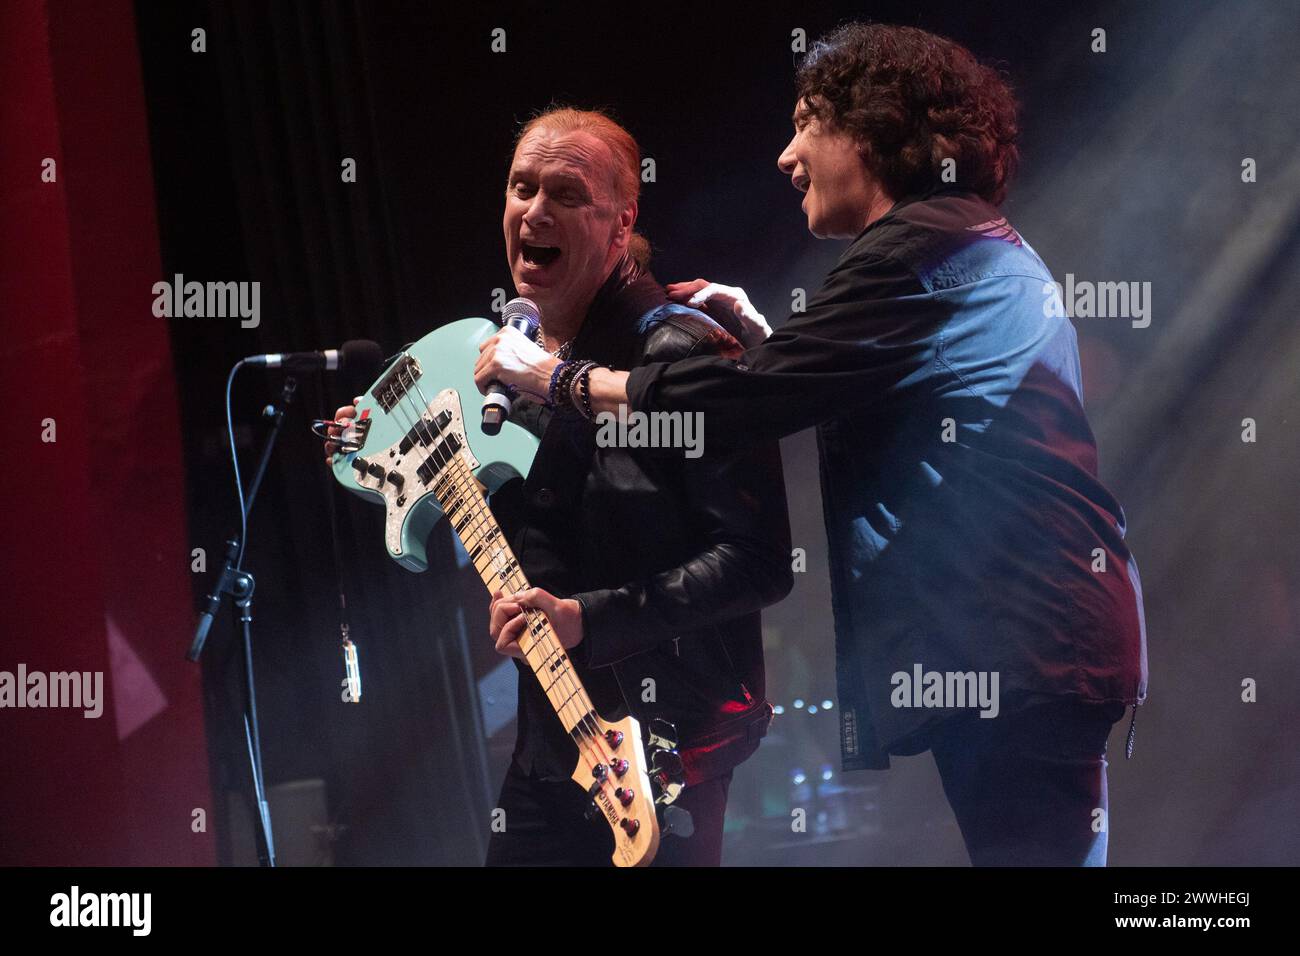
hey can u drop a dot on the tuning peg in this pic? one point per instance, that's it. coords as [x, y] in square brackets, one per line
[614, 738]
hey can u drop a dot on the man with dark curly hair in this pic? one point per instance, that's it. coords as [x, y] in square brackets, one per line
[986, 605]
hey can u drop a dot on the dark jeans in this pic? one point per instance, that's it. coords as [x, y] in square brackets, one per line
[544, 826]
[1026, 787]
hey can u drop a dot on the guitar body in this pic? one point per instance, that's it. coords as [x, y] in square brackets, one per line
[445, 356]
[413, 450]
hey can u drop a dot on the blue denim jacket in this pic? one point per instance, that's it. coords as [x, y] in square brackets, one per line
[968, 531]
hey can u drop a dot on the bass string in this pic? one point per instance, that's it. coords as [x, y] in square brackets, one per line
[575, 700]
[548, 638]
[541, 632]
[588, 729]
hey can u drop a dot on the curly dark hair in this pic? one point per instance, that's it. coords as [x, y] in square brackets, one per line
[912, 100]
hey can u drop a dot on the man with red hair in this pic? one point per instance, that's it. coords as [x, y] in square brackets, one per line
[651, 568]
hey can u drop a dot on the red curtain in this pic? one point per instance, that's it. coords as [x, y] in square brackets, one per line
[96, 557]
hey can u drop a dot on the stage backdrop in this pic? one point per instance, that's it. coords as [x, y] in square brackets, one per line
[96, 554]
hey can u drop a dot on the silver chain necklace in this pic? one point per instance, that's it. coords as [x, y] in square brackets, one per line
[562, 353]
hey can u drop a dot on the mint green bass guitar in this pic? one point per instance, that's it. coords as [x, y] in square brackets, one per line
[412, 423]
[410, 449]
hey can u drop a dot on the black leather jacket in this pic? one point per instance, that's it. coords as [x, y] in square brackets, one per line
[670, 557]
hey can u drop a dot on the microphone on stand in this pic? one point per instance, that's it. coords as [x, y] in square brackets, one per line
[355, 352]
[522, 314]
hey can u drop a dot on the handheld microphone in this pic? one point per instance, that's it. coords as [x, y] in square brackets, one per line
[354, 353]
[524, 315]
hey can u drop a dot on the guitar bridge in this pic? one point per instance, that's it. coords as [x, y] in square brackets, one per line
[393, 387]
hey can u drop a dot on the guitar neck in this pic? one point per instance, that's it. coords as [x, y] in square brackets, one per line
[466, 509]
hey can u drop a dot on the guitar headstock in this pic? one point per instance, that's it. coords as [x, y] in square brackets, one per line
[629, 795]
[612, 770]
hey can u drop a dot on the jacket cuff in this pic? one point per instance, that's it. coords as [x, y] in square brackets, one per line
[640, 381]
[582, 653]
[596, 650]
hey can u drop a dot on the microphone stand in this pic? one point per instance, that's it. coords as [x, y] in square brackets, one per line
[238, 584]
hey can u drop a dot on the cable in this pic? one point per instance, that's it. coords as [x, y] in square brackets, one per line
[234, 460]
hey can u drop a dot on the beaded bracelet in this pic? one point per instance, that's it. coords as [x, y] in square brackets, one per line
[553, 390]
[584, 392]
[562, 398]
[575, 383]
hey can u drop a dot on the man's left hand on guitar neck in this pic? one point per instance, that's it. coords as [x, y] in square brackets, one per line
[507, 620]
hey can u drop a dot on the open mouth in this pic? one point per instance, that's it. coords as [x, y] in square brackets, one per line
[541, 256]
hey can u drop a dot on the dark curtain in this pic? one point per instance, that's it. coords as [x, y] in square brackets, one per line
[249, 139]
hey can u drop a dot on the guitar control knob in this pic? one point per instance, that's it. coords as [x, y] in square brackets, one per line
[615, 737]
[630, 826]
[625, 795]
[376, 470]
[395, 477]
[360, 464]
[619, 766]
